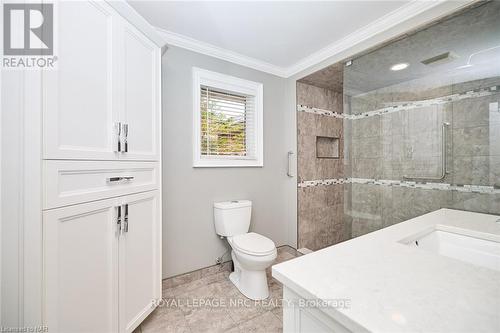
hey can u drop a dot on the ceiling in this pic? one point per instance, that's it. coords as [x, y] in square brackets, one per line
[472, 36]
[275, 33]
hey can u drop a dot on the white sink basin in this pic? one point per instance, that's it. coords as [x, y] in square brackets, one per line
[477, 249]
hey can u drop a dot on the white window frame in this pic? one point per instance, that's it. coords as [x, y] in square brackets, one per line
[202, 77]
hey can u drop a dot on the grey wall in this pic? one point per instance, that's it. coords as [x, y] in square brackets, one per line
[189, 239]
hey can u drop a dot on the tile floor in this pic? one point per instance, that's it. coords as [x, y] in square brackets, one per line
[211, 303]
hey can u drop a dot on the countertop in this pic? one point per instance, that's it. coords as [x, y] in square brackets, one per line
[393, 287]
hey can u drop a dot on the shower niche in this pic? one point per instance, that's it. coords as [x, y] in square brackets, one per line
[327, 147]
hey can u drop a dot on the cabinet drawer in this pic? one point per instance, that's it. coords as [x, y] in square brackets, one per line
[72, 182]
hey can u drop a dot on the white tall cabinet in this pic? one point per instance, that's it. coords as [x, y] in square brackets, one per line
[101, 179]
[105, 91]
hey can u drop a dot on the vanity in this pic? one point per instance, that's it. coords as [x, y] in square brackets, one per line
[437, 272]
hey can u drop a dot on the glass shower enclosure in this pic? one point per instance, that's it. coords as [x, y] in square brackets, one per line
[422, 123]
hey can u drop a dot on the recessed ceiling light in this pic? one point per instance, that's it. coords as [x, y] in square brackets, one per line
[398, 67]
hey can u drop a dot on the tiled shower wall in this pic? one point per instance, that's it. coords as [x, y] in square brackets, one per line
[320, 208]
[408, 143]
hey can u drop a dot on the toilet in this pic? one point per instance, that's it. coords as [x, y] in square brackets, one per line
[251, 253]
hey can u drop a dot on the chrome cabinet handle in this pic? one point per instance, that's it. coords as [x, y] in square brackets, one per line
[119, 179]
[125, 137]
[118, 135]
[114, 179]
[119, 218]
[125, 219]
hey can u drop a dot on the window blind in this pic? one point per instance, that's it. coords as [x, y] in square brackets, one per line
[227, 124]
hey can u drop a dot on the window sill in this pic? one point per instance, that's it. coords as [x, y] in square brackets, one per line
[228, 164]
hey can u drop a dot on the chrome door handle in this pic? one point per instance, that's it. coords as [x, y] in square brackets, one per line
[289, 168]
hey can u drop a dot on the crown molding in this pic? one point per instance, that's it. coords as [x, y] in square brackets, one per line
[172, 38]
[397, 17]
[131, 15]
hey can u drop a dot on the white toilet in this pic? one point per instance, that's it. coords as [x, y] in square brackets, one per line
[252, 253]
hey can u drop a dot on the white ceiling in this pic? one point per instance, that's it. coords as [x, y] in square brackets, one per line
[274, 34]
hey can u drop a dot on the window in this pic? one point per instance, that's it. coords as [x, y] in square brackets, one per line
[227, 121]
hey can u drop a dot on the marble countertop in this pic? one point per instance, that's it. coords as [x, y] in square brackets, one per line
[393, 287]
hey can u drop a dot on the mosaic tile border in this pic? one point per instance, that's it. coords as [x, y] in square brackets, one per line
[405, 105]
[399, 183]
[312, 183]
[303, 108]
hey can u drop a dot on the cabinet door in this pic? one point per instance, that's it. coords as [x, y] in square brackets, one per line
[78, 108]
[140, 256]
[141, 70]
[81, 268]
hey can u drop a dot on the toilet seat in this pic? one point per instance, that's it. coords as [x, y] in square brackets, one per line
[253, 244]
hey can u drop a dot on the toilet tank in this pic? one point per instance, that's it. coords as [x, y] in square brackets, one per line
[232, 217]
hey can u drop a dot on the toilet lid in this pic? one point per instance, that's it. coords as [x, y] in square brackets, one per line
[252, 243]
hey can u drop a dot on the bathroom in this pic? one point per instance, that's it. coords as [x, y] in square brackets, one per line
[193, 175]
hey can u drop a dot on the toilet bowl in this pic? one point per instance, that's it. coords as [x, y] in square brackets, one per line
[251, 253]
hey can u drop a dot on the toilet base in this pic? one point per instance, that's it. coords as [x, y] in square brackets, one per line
[251, 283]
